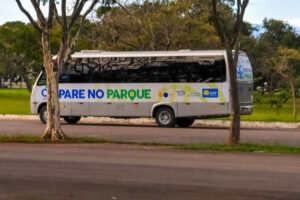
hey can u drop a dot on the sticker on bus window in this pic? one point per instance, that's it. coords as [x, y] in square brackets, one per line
[210, 93]
[244, 70]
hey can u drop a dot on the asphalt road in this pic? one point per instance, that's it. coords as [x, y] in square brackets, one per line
[131, 133]
[121, 172]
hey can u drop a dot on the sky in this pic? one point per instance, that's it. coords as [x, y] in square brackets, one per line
[257, 10]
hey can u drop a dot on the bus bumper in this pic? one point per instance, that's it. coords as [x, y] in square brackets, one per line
[246, 110]
[33, 108]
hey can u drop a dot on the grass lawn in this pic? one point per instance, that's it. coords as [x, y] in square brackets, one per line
[264, 112]
[243, 147]
[17, 101]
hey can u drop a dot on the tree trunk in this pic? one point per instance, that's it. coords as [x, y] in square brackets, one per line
[53, 128]
[234, 130]
[294, 99]
[28, 83]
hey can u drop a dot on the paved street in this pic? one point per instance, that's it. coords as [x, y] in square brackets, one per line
[138, 133]
[107, 171]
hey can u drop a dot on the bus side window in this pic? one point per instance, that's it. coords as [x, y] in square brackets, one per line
[64, 76]
[78, 73]
[150, 70]
[42, 80]
[164, 74]
[208, 71]
[221, 70]
[181, 72]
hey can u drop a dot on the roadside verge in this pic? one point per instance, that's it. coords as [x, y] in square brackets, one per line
[151, 121]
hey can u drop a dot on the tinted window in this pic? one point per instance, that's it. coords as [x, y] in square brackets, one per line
[42, 80]
[209, 70]
[76, 72]
[145, 70]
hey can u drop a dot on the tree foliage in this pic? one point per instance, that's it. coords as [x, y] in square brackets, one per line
[20, 52]
[155, 25]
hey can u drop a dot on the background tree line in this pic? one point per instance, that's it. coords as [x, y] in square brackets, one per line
[159, 25]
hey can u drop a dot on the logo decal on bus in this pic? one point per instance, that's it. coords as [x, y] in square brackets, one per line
[240, 71]
[210, 93]
[244, 71]
[180, 92]
[163, 94]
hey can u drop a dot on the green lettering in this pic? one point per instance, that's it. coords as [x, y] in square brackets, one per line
[123, 94]
[116, 94]
[132, 94]
[109, 93]
[147, 94]
[140, 94]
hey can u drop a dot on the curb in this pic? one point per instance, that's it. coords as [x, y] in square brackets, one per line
[151, 121]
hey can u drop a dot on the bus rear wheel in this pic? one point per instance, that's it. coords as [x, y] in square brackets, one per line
[72, 120]
[165, 117]
[185, 122]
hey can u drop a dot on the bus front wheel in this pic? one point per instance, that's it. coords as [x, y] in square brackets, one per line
[185, 122]
[71, 120]
[165, 117]
[43, 114]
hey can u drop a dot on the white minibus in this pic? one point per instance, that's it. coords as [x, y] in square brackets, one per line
[174, 87]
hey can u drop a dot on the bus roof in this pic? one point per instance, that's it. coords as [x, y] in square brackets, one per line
[107, 54]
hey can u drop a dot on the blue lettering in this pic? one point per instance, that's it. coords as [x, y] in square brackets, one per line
[43, 92]
[91, 94]
[101, 95]
[81, 94]
[68, 95]
[75, 94]
[61, 93]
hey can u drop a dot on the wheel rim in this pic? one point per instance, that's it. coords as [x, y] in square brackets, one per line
[164, 117]
[45, 115]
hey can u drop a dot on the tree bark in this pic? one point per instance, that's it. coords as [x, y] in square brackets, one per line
[230, 40]
[10, 82]
[234, 129]
[53, 128]
[28, 84]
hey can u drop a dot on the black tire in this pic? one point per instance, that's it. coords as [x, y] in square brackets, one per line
[72, 120]
[165, 117]
[185, 122]
[43, 114]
